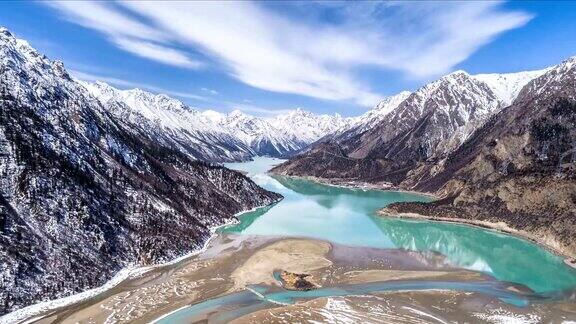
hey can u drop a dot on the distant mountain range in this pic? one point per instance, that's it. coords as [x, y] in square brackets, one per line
[236, 136]
[495, 147]
[87, 189]
[214, 136]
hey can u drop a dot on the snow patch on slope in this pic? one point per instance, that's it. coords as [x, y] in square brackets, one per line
[507, 86]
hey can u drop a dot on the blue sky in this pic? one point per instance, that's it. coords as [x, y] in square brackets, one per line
[266, 57]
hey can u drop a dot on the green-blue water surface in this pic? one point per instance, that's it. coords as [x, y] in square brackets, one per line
[348, 217]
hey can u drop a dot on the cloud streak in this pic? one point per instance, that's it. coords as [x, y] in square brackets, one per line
[292, 48]
[124, 31]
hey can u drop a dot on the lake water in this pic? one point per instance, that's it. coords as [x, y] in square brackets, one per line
[348, 217]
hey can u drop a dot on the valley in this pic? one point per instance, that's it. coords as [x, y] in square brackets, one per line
[452, 202]
[366, 267]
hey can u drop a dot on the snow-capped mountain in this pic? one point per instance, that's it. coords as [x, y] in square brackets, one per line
[85, 192]
[376, 115]
[169, 121]
[260, 135]
[507, 86]
[280, 135]
[414, 128]
[236, 136]
[503, 89]
[519, 168]
[211, 135]
[307, 126]
[355, 125]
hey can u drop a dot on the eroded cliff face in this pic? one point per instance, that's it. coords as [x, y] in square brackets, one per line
[84, 194]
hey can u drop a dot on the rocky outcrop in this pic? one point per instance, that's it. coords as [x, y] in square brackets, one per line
[84, 193]
[297, 281]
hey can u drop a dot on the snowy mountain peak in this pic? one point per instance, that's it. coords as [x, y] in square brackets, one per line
[300, 112]
[5, 31]
[6, 35]
[376, 115]
[567, 65]
[389, 103]
[19, 47]
[457, 73]
[237, 113]
[213, 116]
[506, 86]
[276, 136]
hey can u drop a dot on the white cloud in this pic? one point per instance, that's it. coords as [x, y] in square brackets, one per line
[292, 49]
[210, 91]
[126, 84]
[125, 32]
[157, 53]
[256, 46]
[106, 19]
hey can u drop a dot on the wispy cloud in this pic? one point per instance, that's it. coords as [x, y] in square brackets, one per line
[125, 31]
[126, 84]
[292, 48]
[210, 91]
[158, 53]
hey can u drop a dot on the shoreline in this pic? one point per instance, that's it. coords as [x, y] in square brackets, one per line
[500, 227]
[35, 312]
[350, 184]
[42, 310]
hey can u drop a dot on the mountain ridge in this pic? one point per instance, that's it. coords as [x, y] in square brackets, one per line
[239, 136]
[427, 124]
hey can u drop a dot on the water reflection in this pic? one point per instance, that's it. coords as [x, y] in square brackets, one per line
[503, 256]
[347, 217]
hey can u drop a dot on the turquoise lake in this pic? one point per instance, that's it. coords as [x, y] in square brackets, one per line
[348, 217]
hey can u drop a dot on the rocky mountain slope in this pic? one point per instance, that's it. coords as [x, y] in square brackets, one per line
[520, 167]
[489, 162]
[423, 127]
[84, 192]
